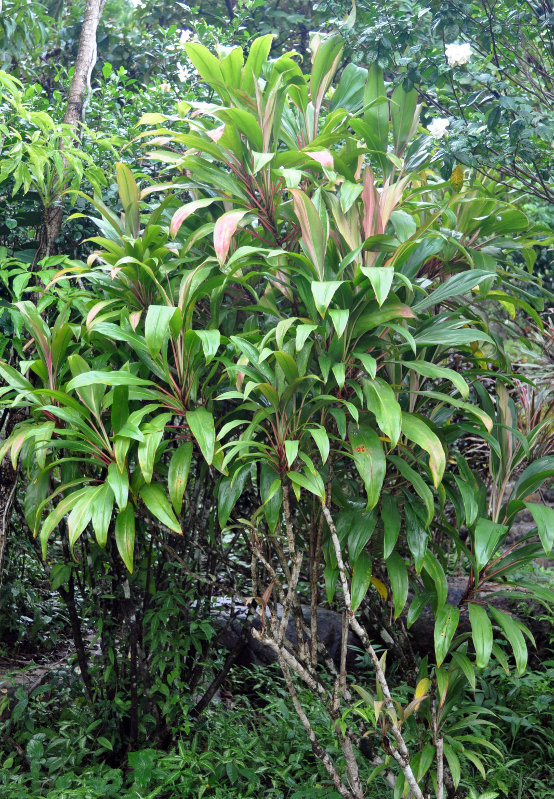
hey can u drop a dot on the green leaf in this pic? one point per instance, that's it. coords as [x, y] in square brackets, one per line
[81, 514]
[201, 423]
[119, 483]
[513, 635]
[398, 576]
[416, 482]
[118, 378]
[291, 451]
[323, 292]
[453, 764]
[361, 579]
[230, 489]
[446, 624]
[369, 459]
[272, 503]
[363, 525]
[486, 539]
[416, 430]
[155, 499]
[439, 373]
[381, 401]
[102, 511]
[381, 278]
[390, 516]
[311, 482]
[544, 519]
[481, 632]
[211, 340]
[416, 536]
[437, 575]
[257, 56]
[319, 435]
[146, 453]
[130, 198]
[156, 326]
[453, 287]
[206, 64]
[376, 116]
[125, 535]
[403, 114]
[178, 473]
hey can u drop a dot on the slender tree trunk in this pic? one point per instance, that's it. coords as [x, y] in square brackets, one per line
[74, 113]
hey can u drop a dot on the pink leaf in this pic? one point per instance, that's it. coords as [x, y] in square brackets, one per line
[185, 211]
[134, 319]
[323, 157]
[223, 232]
[216, 133]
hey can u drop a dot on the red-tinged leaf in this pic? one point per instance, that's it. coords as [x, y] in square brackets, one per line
[182, 213]
[322, 157]
[224, 230]
[313, 237]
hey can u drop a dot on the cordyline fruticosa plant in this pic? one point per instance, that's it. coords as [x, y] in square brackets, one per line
[289, 316]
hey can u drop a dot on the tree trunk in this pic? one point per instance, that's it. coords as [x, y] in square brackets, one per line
[74, 113]
[84, 63]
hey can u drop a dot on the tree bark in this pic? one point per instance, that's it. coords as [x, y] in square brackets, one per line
[80, 84]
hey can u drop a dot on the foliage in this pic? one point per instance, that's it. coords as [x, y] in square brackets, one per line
[288, 332]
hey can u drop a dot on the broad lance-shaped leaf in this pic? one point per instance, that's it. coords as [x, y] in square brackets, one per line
[398, 576]
[369, 458]
[416, 430]
[313, 238]
[156, 326]
[81, 514]
[381, 401]
[185, 211]
[437, 575]
[439, 373]
[230, 489]
[201, 423]
[486, 539]
[155, 499]
[381, 278]
[102, 511]
[361, 579]
[119, 483]
[481, 632]
[178, 473]
[224, 229]
[446, 624]
[390, 516]
[125, 534]
[544, 519]
[513, 633]
[129, 196]
[323, 292]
